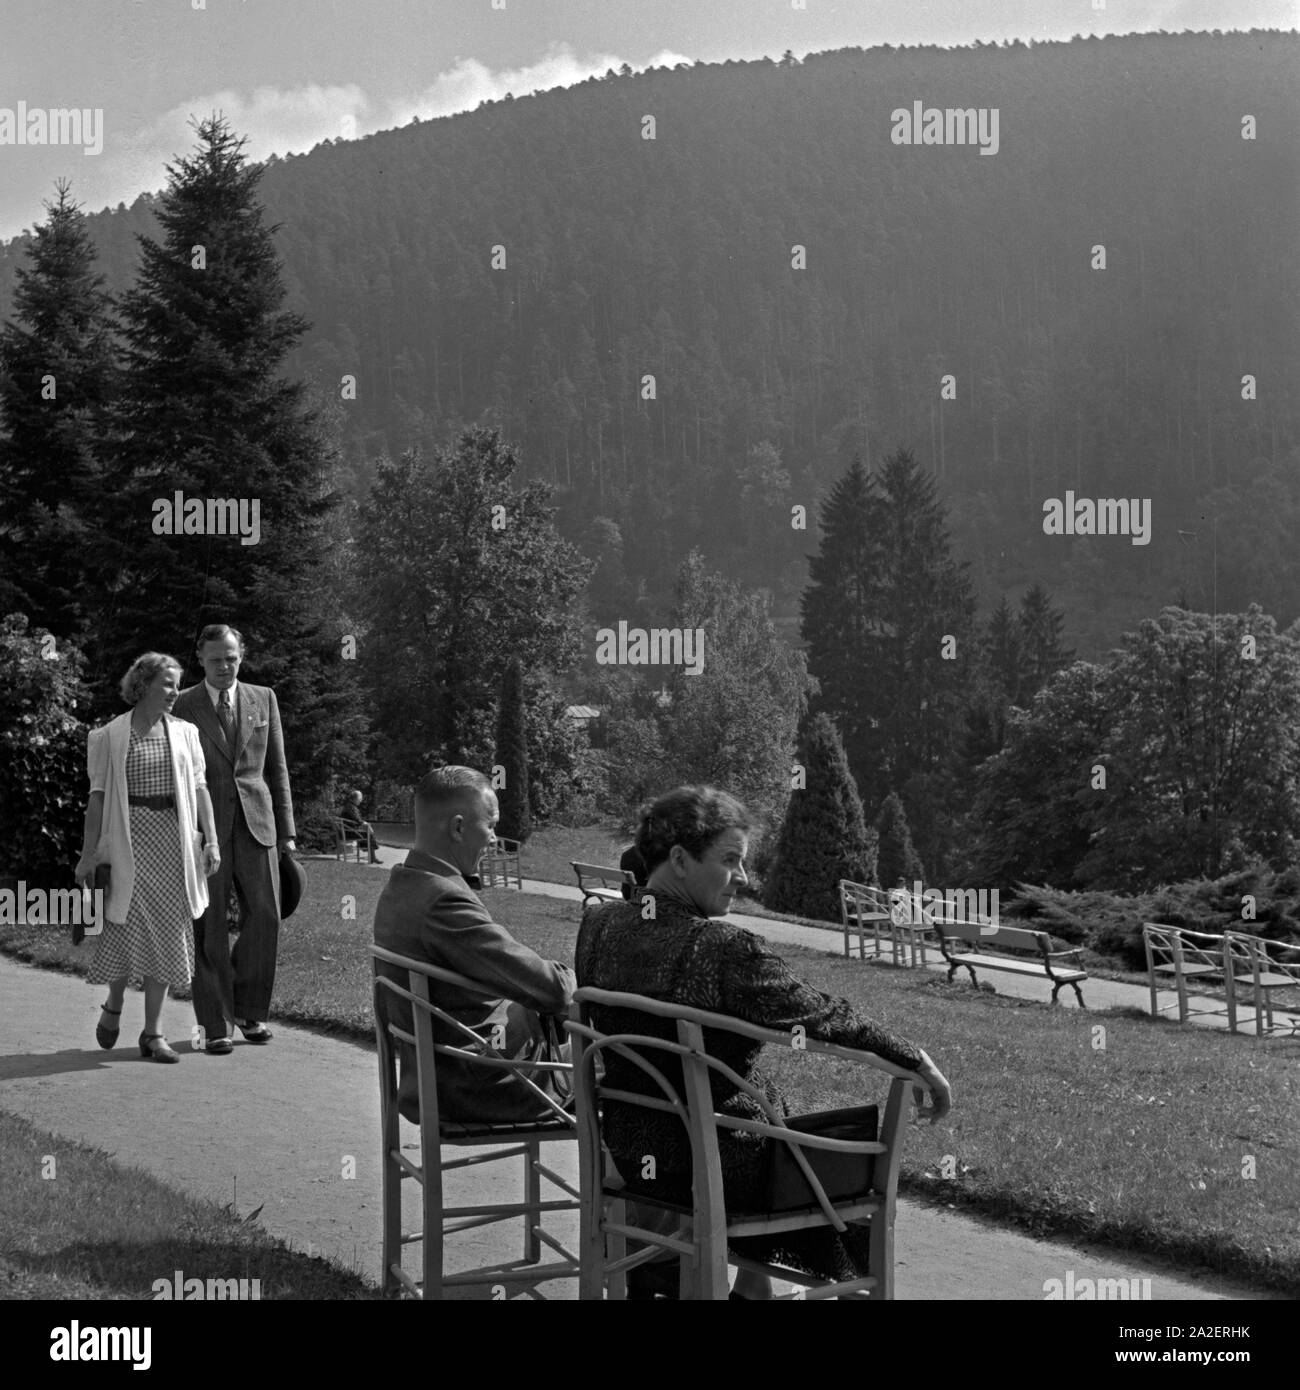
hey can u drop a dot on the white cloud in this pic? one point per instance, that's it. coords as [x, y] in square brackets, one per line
[293, 120]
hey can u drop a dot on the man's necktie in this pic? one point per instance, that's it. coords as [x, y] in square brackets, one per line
[227, 717]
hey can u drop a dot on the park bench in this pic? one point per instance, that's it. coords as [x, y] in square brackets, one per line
[975, 944]
[1186, 955]
[500, 861]
[600, 883]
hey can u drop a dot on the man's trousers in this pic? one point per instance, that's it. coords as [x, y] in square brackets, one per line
[231, 983]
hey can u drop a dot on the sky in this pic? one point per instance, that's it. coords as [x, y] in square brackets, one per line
[291, 73]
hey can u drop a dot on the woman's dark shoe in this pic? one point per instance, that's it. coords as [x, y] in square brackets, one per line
[106, 1037]
[660, 1279]
[154, 1045]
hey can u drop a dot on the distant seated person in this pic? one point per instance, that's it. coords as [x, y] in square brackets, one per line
[355, 828]
[429, 910]
[632, 860]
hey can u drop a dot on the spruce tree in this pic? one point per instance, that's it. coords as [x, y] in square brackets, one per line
[57, 376]
[896, 856]
[889, 619]
[837, 617]
[205, 413]
[824, 836]
[1005, 647]
[1041, 626]
[515, 820]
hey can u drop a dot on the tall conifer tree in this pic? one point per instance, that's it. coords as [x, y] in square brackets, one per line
[824, 836]
[888, 617]
[1041, 626]
[512, 754]
[837, 617]
[57, 375]
[896, 857]
[206, 414]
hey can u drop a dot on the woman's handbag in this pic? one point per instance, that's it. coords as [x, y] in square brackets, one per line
[842, 1175]
[559, 1083]
[101, 880]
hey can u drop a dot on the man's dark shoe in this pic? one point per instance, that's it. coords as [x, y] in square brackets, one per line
[255, 1032]
[218, 1047]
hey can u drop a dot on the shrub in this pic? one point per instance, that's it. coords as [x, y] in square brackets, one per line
[43, 784]
[824, 836]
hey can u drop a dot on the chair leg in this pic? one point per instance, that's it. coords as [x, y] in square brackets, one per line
[532, 1194]
[709, 1268]
[391, 1207]
[881, 1256]
[432, 1243]
[618, 1250]
[591, 1244]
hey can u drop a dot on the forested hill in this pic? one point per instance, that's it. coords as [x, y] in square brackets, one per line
[627, 256]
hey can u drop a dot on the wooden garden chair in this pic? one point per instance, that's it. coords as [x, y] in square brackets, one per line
[1255, 972]
[706, 1227]
[862, 913]
[342, 842]
[522, 1140]
[501, 861]
[1186, 955]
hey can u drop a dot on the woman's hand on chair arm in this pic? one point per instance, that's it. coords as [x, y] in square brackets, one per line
[933, 1094]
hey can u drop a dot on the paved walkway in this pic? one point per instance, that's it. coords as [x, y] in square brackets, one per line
[278, 1126]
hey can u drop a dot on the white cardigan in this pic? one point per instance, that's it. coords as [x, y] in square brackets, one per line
[106, 762]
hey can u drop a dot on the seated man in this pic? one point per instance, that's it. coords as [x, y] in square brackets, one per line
[429, 911]
[355, 827]
[632, 860]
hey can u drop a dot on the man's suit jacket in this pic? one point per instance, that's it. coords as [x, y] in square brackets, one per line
[256, 777]
[427, 910]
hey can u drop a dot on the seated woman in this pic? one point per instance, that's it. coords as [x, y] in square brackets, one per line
[694, 841]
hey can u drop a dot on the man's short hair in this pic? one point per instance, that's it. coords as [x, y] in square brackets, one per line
[218, 632]
[144, 671]
[445, 786]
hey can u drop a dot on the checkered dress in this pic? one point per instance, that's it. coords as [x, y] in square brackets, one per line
[157, 938]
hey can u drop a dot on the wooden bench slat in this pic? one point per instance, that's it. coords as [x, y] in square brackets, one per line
[1017, 967]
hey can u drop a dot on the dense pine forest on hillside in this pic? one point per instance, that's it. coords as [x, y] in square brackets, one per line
[673, 257]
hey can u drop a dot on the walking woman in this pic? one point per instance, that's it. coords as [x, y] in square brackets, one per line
[147, 794]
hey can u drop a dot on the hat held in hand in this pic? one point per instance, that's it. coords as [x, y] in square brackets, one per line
[292, 883]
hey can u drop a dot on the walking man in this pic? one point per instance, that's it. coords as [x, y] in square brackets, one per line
[248, 780]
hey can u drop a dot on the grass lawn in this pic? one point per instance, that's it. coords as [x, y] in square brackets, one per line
[1167, 1139]
[96, 1229]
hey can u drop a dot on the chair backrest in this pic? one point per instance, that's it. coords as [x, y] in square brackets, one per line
[1251, 955]
[693, 1103]
[1174, 947]
[473, 1049]
[859, 898]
